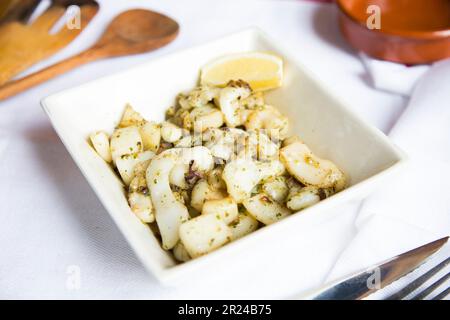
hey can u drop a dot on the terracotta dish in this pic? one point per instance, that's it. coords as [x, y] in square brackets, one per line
[412, 31]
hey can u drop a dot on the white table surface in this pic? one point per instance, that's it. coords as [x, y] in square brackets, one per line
[52, 224]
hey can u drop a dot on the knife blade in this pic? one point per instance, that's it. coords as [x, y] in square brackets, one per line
[361, 284]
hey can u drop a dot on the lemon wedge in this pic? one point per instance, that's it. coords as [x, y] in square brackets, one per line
[261, 70]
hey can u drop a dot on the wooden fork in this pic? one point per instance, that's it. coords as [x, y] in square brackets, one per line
[23, 45]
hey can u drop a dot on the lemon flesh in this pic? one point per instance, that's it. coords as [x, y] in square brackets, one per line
[261, 70]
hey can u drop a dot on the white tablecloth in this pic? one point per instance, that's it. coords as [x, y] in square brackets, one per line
[53, 229]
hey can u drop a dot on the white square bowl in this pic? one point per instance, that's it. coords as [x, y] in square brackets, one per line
[329, 128]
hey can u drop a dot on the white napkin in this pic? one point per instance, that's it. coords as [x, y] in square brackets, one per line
[415, 208]
[393, 77]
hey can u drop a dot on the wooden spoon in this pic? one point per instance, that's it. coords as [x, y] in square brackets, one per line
[131, 32]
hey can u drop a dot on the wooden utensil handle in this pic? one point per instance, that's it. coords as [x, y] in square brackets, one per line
[14, 87]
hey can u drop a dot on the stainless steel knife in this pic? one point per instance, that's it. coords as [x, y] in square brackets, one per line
[360, 285]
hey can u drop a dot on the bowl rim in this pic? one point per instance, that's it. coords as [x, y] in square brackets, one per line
[412, 34]
[171, 275]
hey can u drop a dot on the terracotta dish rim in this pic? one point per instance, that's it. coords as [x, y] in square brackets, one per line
[413, 34]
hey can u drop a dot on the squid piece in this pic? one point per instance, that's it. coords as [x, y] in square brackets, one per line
[203, 118]
[203, 192]
[142, 207]
[177, 176]
[185, 142]
[276, 188]
[126, 164]
[305, 197]
[138, 195]
[139, 183]
[169, 212]
[249, 149]
[270, 119]
[243, 225]
[243, 174]
[151, 135]
[198, 97]
[270, 170]
[180, 253]
[170, 132]
[256, 99]
[240, 176]
[215, 180]
[178, 116]
[125, 141]
[204, 234]
[309, 169]
[212, 135]
[243, 115]
[260, 146]
[225, 143]
[229, 101]
[100, 142]
[265, 210]
[189, 141]
[225, 209]
[130, 117]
